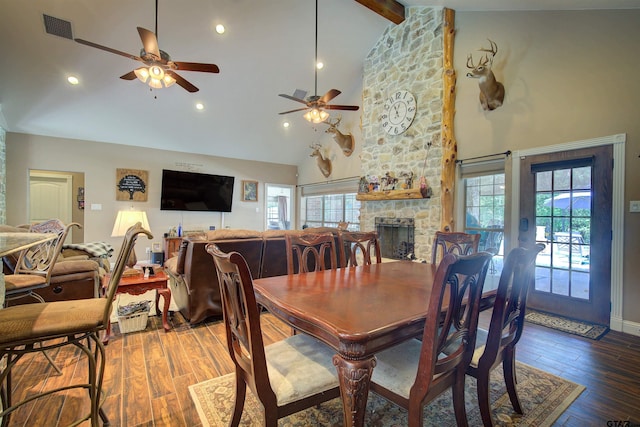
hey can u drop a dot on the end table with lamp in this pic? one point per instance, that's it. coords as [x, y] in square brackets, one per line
[139, 284]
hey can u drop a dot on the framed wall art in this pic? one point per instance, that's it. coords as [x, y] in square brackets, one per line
[131, 185]
[249, 191]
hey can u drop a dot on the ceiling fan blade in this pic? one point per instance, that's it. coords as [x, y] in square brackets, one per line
[330, 95]
[149, 41]
[131, 75]
[108, 49]
[182, 82]
[342, 107]
[196, 66]
[292, 98]
[293, 111]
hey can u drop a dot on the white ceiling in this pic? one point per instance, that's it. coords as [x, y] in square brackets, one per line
[268, 49]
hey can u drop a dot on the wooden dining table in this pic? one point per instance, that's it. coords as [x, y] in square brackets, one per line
[358, 311]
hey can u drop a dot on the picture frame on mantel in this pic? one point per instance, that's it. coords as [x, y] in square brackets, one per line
[249, 191]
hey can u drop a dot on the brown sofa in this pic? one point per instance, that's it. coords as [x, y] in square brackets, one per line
[194, 282]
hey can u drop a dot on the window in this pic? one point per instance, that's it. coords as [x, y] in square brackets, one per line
[484, 215]
[278, 206]
[328, 210]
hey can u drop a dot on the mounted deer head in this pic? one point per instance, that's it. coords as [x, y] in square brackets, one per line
[346, 142]
[324, 163]
[491, 90]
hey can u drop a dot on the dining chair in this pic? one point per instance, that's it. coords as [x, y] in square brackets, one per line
[30, 328]
[34, 265]
[358, 248]
[310, 252]
[453, 243]
[414, 372]
[498, 344]
[287, 376]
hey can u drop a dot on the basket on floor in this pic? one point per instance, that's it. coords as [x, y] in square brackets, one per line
[133, 317]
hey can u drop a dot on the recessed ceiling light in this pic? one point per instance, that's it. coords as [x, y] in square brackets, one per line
[285, 125]
[320, 65]
[199, 106]
[73, 80]
[220, 29]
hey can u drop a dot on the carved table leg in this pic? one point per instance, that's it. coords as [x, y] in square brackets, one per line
[355, 376]
[166, 295]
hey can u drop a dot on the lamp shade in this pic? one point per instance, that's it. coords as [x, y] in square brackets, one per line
[128, 218]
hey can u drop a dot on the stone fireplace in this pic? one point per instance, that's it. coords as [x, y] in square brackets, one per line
[396, 237]
[408, 57]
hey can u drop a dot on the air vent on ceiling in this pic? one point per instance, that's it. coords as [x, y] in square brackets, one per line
[57, 27]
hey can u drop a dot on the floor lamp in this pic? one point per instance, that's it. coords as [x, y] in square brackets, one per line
[126, 219]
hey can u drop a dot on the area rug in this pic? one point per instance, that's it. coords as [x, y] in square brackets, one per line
[564, 324]
[543, 397]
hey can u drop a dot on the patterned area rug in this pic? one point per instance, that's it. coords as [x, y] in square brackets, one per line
[584, 329]
[543, 397]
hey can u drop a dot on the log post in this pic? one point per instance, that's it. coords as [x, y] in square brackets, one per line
[449, 145]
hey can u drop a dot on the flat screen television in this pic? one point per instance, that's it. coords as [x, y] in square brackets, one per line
[191, 191]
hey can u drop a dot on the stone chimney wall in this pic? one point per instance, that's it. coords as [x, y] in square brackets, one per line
[409, 57]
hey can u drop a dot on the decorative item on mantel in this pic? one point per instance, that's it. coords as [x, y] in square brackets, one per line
[392, 187]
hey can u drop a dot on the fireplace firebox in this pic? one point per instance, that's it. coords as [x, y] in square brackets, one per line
[396, 237]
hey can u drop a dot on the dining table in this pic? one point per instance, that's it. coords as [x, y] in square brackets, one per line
[15, 242]
[358, 311]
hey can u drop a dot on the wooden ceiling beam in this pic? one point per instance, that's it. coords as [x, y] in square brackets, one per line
[390, 9]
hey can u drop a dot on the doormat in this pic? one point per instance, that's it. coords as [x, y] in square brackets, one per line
[564, 324]
[543, 396]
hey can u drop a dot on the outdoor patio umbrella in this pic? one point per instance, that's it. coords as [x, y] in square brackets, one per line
[575, 200]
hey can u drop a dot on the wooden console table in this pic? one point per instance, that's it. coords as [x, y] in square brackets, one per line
[137, 285]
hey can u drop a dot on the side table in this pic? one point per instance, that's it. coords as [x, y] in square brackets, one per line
[137, 285]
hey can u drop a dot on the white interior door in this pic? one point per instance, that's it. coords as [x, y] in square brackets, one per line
[50, 196]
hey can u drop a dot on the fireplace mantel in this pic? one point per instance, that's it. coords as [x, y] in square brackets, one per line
[411, 193]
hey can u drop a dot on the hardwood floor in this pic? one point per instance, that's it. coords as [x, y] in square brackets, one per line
[148, 374]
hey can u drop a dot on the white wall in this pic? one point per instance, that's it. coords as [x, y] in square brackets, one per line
[99, 162]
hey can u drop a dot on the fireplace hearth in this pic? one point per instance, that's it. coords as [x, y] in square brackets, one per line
[396, 237]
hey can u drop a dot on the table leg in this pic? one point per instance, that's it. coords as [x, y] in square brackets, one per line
[166, 295]
[355, 377]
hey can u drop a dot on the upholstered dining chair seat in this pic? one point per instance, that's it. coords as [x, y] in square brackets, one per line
[299, 366]
[17, 283]
[397, 367]
[29, 321]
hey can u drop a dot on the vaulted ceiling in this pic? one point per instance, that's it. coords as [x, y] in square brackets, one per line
[267, 49]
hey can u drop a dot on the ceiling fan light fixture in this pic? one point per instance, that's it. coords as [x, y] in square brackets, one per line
[316, 115]
[155, 83]
[156, 72]
[168, 80]
[142, 74]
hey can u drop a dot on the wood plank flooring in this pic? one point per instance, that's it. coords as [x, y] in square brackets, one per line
[148, 374]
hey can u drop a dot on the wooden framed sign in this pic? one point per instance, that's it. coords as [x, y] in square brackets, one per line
[131, 185]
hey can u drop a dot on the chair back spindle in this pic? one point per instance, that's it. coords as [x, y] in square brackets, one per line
[453, 243]
[310, 252]
[359, 248]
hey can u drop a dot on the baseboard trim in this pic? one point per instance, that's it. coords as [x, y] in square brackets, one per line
[632, 328]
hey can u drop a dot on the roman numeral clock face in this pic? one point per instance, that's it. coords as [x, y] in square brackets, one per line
[399, 112]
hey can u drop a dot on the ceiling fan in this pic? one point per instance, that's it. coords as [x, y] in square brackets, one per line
[314, 103]
[159, 70]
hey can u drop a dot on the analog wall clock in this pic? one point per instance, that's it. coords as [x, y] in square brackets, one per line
[399, 112]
